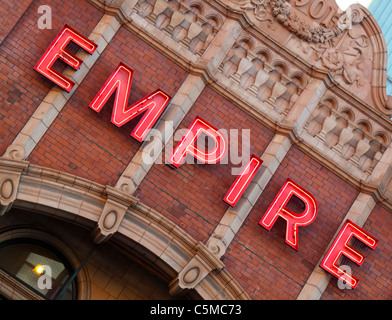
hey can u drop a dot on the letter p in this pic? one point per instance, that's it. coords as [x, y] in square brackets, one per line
[188, 144]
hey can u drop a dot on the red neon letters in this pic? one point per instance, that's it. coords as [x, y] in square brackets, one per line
[243, 180]
[57, 51]
[188, 144]
[153, 105]
[293, 220]
[340, 246]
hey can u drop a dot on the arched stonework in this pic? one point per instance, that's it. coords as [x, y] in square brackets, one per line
[107, 211]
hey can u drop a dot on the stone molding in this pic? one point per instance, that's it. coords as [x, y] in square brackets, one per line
[15, 290]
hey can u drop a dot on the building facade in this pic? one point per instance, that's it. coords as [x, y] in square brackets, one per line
[298, 87]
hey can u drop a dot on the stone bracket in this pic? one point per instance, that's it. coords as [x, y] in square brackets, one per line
[10, 173]
[113, 212]
[195, 271]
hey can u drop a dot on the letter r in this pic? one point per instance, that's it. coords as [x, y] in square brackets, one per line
[293, 220]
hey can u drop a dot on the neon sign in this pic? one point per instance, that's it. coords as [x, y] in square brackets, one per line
[243, 181]
[340, 247]
[57, 51]
[153, 105]
[188, 144]
[293, 220]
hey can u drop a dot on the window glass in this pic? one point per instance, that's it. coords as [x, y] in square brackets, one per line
[39, 265]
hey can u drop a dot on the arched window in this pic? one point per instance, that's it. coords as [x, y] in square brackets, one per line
[39, 266]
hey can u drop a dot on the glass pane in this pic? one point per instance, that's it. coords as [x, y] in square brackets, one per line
[37, 266]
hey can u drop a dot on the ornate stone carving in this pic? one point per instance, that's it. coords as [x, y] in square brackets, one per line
[311, 32]
[346, 58]
[355, 142]
[15, 152]
[113, 213]
[217, 247]
[193, 26]
[195, 271]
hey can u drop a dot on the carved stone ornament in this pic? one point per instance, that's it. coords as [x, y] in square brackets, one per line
[112, 214]
[15, 152]
[217, 247]
[282, 11]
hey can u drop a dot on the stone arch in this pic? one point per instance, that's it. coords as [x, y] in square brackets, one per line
[108, 212]
[365, 126]
[246, 42]
[348, 114]
[382, 137]
[299, 79]
[264, 54]
[281, 67]
[197, 7]
[330, 102]
[215, 20]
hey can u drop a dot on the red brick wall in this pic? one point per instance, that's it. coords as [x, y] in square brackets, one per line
[375, 273]
[260, 260]
[191, 196]
[86, 143]
[10, 12]
[21, 88]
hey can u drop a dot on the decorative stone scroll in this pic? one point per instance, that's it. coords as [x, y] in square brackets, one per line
[15, 152]
[312, 32]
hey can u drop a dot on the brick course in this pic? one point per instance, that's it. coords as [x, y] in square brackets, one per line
[263, 263]
[10, 13]
[86, 143]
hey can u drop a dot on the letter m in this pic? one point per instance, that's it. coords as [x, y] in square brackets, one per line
[152, 105]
